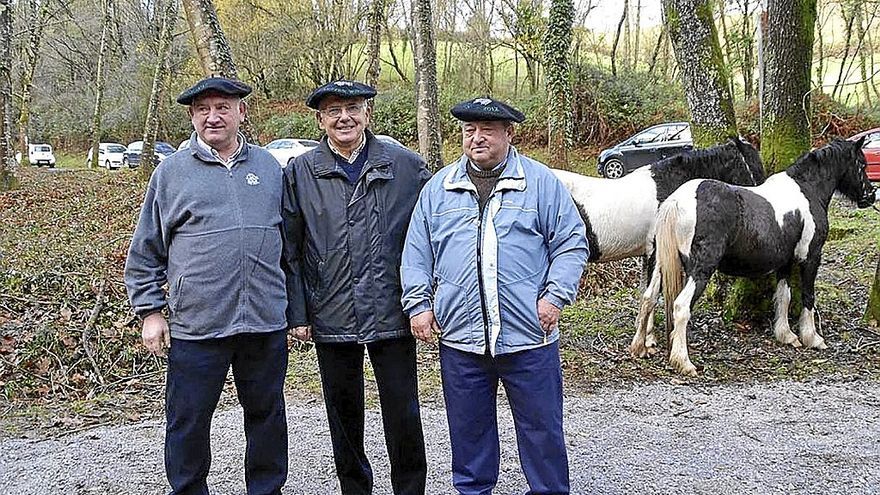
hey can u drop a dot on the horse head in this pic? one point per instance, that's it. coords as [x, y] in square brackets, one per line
[854, 182]
[752, 160]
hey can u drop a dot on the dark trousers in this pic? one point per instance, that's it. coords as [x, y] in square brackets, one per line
[533, 382]
[196, 374]
[342, 379]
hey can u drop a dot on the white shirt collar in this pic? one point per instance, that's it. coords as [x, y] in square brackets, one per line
[354, 153]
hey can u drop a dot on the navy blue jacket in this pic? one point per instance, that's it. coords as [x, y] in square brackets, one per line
[348, 238]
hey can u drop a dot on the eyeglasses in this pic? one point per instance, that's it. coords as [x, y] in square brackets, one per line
[335, 112]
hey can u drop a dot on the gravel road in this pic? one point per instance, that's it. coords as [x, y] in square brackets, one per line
[780, 438]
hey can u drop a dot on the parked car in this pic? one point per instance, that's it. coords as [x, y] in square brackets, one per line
[871, 149]
[39, 155]
[648, 146]
[110, 155]
[285, 150]
[132, 157]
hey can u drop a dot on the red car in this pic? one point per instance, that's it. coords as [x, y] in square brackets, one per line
[871, 149]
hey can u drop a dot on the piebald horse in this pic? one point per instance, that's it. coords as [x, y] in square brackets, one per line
[707, 225]
[619, 214]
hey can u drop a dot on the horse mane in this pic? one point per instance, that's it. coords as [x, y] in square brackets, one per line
[833, 152]
[729, 162]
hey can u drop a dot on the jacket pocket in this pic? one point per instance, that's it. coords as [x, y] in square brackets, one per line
[174, 295]
[451, 312]
[519, 309]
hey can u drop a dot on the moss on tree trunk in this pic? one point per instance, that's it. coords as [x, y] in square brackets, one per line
[704, 75]
[872, 315]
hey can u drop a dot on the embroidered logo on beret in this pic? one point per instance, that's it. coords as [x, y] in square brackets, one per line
[343, 83]
[482, 101]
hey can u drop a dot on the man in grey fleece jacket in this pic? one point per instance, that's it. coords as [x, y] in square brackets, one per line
[211, 229]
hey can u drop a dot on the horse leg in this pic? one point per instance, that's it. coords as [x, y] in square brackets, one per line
[678, 354]
[782, 299]
[643, 342]
[807, 324]
[649, 262]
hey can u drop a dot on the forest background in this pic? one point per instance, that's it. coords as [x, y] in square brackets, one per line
[586, 74]
[624, 74]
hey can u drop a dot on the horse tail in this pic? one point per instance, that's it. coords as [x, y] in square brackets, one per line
[668, 259]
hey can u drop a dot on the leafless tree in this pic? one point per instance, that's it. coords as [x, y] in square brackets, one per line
[428, 110]
[8, 179]
[160, 81]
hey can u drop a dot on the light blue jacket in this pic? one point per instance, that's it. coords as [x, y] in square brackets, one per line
[533, 245]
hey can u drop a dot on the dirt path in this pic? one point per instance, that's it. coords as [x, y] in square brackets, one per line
[758, 439]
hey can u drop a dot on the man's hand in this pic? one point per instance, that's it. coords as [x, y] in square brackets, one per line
[303, 333]
[548, 315]
[155, 334]
[424, 326]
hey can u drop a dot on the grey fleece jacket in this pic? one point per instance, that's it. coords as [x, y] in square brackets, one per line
[215, 237]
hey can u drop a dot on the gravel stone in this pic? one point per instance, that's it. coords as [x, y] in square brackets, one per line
[777, 438]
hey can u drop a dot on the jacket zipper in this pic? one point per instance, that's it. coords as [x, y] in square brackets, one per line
[483, 307]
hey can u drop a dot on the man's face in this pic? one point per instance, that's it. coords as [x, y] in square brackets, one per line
[343, 119]
[216, 118]
[486, 143]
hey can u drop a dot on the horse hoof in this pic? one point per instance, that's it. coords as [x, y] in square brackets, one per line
[638, 351]
[652, 350]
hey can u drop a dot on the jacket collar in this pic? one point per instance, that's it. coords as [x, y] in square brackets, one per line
[512, 179]
[378, 158]
[203, 152]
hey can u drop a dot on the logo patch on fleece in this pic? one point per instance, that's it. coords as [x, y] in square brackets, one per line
[252, 179]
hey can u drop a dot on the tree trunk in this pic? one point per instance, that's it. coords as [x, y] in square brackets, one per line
[872, 315]
[786, 49]
[617, 38]
[428, 111]
[848, 14]
[656, 52]
[748, 55]
[8, 179]
[557, 41]
[36, 20]
[637, 29]
[820, 46]
[863, 69]
[705, 77]
[160, 80]
[725, 52]
[375, 21]
[785, 87]
[214, 53]
[99, 84]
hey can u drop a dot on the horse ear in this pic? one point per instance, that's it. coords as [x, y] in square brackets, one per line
[860, 142]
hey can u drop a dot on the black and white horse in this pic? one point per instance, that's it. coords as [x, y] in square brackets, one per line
[708, 225]
[619, 213]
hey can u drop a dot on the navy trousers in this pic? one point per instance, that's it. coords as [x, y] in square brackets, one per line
[196, 374]
[342, 380]
[533, 382]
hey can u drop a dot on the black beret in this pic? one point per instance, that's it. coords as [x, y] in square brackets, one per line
[342, 89]
[485, 108]
[223, 85]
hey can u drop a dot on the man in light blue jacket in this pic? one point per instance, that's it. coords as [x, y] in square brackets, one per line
[495, 250]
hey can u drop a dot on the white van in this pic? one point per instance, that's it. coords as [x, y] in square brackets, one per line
[41, 154]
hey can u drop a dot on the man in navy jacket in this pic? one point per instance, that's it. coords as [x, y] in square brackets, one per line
[354, 195]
